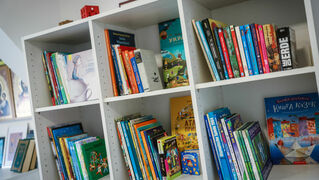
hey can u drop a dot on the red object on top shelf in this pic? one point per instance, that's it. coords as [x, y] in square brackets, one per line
[87, 11]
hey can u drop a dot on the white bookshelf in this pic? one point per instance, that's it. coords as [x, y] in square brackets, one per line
[243, 95]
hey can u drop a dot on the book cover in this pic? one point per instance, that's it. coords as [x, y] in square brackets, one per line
[172, 50]
[241, 50]
[28, 156]
[263, 48]
[183, 123]
[246, 50]
[237, 52]
[225, 52]
[95, 159]
[147, 67]
[172, 159]
[251, 48]
[287, 47]
[213, 48]
[57, 79]
[272, 47]
[292, 132]
[20, 154]
[190, 162]
[136, 71]
[257, 51]
[2, 141]
[220, 50]
[82, 77]
[231, 51]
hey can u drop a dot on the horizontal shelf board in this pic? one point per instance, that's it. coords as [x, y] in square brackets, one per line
[272, 75]
[5, 173]
[189, 177]
[294, 172]
[64, 106]
[27, 118]
[215, 4]
[148, 94]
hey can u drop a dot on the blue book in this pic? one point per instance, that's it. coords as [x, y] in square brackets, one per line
[251, 48]
[216, 159]
[221, 52]
[207, 50]
[153, 144]
[245, 45]
[217, 138]
[257, 51]
[137, 74]
[75, 165]
[117, 72]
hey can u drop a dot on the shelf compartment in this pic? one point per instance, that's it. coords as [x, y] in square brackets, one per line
[66, 106]
[273, 75]
[7, 174]
[294, 172]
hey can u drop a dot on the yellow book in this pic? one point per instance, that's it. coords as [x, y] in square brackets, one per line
[65, 155]
[214, 23]
[183, 123]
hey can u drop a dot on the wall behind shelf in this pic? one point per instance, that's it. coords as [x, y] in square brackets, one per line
[5, 124]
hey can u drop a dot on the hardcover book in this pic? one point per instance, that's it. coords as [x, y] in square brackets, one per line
[246, 50]
[241, 50]
[293, 132]
[28, 156]
[236, 46]
[251, 48]
[172, 159]
[190, 162]
[20, 155]
[287, 47]
[225, 51]
[231, 51]
[172, 50]
[272, 47]
[2, 139]
[263, 48]
[257, 51]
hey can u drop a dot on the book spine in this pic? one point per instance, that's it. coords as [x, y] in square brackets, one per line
[246, 50]
[231, 52]
[136, 71]
[231, 149]
[54, 150]
[285, 38]
[241, 50]
[129, 72]
[149, 156]
[225, 52]
[206, 49]
[255, 43]
[51, 73]
[251, 49]
[237, 52]
[241, 158]
[59, 79]
[126, 85]
[56, 80]
[216, 37]
[117, 73]
[263, 48]
[48, 80]
[62, 65]
[251, 156]
[210, 137]
[110, 60]
[213, 48]
[260, 49]
[142, 71]
[246, 155]
[154, 155]
[272, 48]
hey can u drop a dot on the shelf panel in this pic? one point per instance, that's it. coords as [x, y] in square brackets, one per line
[65, 106]
[294, 172]
[272, 75]
[189, 177]
[30, 175]
[215, 4]
[27, 118]
[147, 94]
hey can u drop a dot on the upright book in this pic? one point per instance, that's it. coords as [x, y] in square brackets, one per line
[20, 155]
[287, 47]
[231, 51]
[272, 47]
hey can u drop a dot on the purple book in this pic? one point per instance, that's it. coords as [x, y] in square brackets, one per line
[258, 56]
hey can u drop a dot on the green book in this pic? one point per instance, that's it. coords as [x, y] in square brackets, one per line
[95, 159]
[58, 77]
[231, 51]
[20, 154]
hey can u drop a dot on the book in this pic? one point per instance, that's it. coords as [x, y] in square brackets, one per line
[190, 162]
[28, 156]
[287, 47]
[272, 47]
[246, 50]
[119, 91]
[153, 144]
[225, 52]
[20, 154]
[262, 62]
[231, 51]
[34, 159]
[129, 70]
[148, 70]
[251, 48]
[59, 78]
[241, 50]
[136, 71]
[126, 85]
[237, 52]
[263, 49]
[183, 123]
[2, 143]
[257, 50]
[292, 123]
[173, 54]
[220, 50]
[50, 85]
[213, 48]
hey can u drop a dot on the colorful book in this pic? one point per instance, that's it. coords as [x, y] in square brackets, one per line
[47, 76]
[225, 52]
[263, 48]
[20, 155]
[119, 80]
[246, 50]
[237, 52]
[220, 50]
[190, 162]
[231, 51]
[131, 56]
[129, 70]
[257, 51]
[241, 50]
[287, 47]
[173, 54]
[251, 48]
[172, 158]
[59, 78]
[126, 85]
[272, 47]
[260, 48]
[47, 56]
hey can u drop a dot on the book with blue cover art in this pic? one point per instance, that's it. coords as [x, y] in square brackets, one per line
[245, 45]
[292, 123]
[251, 49]
[173, 54]
[258, 53]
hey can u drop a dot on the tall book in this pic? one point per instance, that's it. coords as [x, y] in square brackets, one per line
[220, 50]
[246, 50]
[251, 48]
[272, 47]
[59, 78]
[125, 83]
[257, 51]
[119, 80]
[231, 51]
[47, 56]
[260, 48]
[237, 52]
[129, 71]
[20, 155]
[28, 156]
[287, 47]
[173, 54]
[46, 71]
[225, 52]
[138, 80]
[263, 48]
[241, 50]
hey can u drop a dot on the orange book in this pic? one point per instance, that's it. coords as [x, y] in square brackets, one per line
[148, 154]
[129, 71]
[139, 142]
[111, 64]
[125, 75]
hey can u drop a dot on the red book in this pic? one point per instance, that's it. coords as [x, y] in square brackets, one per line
[53, 78]
[263, 48]
[260, 48]
[125, 74]
[225, 52]
[111, 64]
[129, 71]
[240, 64]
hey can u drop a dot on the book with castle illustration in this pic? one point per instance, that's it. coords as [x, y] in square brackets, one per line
[293, 128]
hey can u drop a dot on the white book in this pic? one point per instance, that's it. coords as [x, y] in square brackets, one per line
[251, 156]
[147, 67]
[122, 70]
[63, 69]
[241, 50]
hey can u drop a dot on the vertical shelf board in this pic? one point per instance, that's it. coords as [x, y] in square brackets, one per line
[312, 14]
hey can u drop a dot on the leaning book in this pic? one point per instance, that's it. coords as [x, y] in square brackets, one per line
[293, 128]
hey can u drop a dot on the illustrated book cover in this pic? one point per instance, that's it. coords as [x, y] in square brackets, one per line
[190, 162]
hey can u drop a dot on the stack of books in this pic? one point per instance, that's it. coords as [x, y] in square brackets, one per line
[251, 49]
[25, 158]
[132, 70]
[148, 152]
[71, 77]
[240, 149]
[78, 155]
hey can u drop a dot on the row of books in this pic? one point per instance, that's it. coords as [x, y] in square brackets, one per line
[25, 158]
[78, 155]
[71, 77]
[251, 49]
[240, 149]
[132, 70]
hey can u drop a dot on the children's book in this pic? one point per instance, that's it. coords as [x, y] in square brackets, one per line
[293, 132]
[172, 159]
[173, 54]
[272, 47]
[190, 162]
